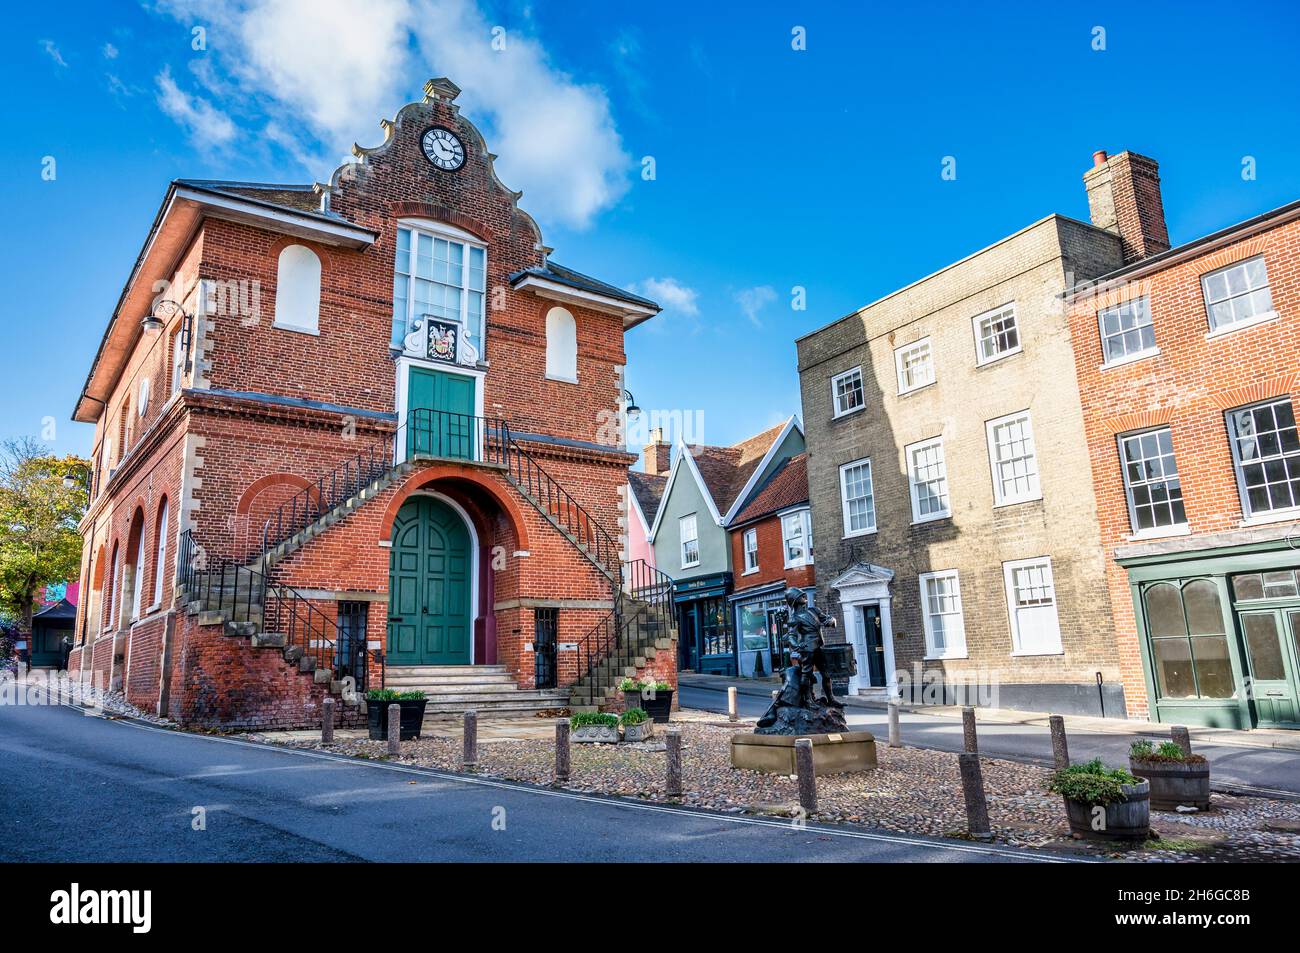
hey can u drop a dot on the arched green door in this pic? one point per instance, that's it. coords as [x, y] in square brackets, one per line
[429, 586]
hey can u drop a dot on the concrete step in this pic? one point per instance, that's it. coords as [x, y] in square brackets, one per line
[541, 698]
[434, 690]
[440, 670]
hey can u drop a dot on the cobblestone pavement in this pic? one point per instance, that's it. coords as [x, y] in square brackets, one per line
[914, 791]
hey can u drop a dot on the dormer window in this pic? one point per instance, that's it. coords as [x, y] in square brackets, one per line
[439, 271]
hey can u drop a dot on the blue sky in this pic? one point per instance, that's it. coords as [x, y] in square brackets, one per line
[774, 167]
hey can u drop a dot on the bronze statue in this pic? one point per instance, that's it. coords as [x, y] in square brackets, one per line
[796, 710]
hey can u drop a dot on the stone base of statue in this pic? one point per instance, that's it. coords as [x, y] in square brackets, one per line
[838, 752]
[816, 719]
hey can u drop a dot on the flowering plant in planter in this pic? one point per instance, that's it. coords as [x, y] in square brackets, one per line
[594, 727]
[1176, 778]
[637, 725]
[656, 698]
[1103, 803]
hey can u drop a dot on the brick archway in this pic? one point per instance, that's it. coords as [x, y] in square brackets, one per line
[258, 502]
[429, 476]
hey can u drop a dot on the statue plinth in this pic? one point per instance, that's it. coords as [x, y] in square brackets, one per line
[833, 753]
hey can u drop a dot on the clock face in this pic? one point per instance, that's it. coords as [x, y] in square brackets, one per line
[443, 149]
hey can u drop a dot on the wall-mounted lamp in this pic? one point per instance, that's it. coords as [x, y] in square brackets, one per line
[164, 310]
[633, 411]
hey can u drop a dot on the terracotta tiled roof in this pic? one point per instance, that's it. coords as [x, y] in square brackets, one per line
[725, 470]
[649, 492]
[786, 487]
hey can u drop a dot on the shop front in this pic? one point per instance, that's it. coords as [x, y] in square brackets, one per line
[759, 616]
[705, 639]
[1219, 632]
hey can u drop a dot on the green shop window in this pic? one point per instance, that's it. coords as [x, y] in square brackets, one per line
[1189, 646]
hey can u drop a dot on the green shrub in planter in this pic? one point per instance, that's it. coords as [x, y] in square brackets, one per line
[1176, 778]
[1103, 803]
[594, 727]
[411, 705]
[637, 725]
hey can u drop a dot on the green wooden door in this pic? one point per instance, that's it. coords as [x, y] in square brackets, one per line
[1271, 653]
[440, 421]
[429, 586]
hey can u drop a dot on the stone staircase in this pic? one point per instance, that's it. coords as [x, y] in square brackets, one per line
[234, 599]
[643, 635]
[488, 689]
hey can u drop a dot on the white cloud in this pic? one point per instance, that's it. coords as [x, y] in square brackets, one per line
[109, 51]
[333, 69]
[208, 127]
[672, 294]
[754, 300]
[53, 52]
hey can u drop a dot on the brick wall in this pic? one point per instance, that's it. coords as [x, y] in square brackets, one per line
[771, 557]
[1187, 386]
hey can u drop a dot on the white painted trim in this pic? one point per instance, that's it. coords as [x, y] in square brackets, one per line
[791, 424]
[640, 515]
[899, 352]
[474, 547]
[404, 364]
[303, 226]
[844, 502]
[1008, 569]
[998, 498]
[911, 448]
[950, 652]
[980, 360]
[556, 291]
[836, 413]
[859, 588]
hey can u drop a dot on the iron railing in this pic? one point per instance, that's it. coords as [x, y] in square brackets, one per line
[448, 435]
[644, 596]
[324, 494]
[245, 596]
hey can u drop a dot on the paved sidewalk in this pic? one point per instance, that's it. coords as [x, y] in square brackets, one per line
[1256, 738]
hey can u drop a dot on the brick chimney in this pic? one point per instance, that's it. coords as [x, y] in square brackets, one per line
[658, 453]
[1124, 197]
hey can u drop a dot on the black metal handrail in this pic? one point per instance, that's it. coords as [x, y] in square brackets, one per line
[527, 474]
[245, 595]
[651, 594]
[324, 494]
[448, 435]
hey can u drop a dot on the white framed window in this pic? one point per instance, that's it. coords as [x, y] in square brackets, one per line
[857, 498]
[561, 345]
[1031, 599]
[915, 366]
[688, 533]
[137, 576]
[1013, 459]
[927, 475]
[142, 398]
[846, 392]
[1238, 294]
[997, 335]
[1126, 331]
[440, 272]
[1155, 494]
[749, 541]
[945, 626]
[178, 361]
[297, 290]
[796, 538]
[1266, 456]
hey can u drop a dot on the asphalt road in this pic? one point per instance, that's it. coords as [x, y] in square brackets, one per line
[80, 788]
[1264, 768]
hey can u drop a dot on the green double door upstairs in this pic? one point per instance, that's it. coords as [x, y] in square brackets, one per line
[430, 586]
[441, 421]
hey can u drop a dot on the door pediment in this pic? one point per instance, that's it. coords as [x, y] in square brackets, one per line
[863, 581]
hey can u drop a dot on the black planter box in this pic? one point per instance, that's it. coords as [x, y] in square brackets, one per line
[412, 717]
[659, 707]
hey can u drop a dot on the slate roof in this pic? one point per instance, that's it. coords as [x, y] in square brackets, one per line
[726, 470]
[576, 279]
[649, 492]
[786, 487]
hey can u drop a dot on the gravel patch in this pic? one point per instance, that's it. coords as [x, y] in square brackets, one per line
[914, 791]
[45, 688]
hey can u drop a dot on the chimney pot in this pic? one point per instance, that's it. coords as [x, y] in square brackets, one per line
[1099, 157]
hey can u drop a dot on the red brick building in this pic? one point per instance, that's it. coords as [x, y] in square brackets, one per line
[772, 551]
[363, 432]
[1188, 367]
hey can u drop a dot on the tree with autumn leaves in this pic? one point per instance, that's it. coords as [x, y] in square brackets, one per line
[39, 512]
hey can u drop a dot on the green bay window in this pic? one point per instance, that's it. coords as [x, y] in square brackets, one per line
[1189, 643]
[438, 275]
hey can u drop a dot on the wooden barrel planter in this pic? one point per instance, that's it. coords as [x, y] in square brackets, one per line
[1129, 819]
[1175, 783]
